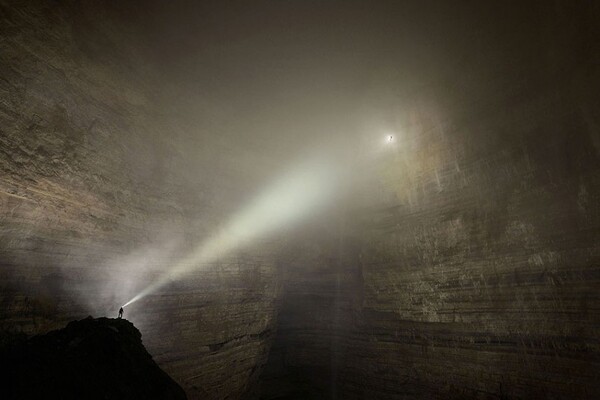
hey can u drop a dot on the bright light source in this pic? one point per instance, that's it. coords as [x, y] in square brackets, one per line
[388, 138]
[287, 200]
[295, 195]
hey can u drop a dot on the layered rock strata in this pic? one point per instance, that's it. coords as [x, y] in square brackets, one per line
[100, 189]
[470, 268]
[466, 266]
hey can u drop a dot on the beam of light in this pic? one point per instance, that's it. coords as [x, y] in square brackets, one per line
[289, 199]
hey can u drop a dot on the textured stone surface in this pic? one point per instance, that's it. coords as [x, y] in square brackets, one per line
[92, 358]
[470, 269]
[466, 266]
[95, 187]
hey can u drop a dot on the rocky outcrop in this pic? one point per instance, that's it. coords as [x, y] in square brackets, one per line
[92, 359]
[466, 265]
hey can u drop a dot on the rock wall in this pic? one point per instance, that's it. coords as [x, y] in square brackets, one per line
[466, 266]
[470, 268]
[101, 187]
[486, 284]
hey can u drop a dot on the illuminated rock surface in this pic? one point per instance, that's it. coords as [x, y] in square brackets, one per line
[466, 264]
[88, 359]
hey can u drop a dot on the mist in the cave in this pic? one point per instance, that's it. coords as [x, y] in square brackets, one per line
[331, 199]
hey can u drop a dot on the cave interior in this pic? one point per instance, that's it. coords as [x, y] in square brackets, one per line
[311, 200]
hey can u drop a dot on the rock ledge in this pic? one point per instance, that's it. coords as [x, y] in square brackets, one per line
[99, 358]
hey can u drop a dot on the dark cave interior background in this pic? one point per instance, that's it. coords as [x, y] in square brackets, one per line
[462, 263]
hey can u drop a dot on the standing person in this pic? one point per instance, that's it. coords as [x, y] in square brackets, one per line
[121, 312]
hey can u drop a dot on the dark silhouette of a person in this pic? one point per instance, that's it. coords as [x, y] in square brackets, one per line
[121, 312]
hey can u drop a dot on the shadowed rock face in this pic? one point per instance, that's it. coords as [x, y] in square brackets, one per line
[88, 359]
[467, 266]
[98, 192]
[470, 269]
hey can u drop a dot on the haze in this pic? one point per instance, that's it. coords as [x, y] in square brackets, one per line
[310, 199]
